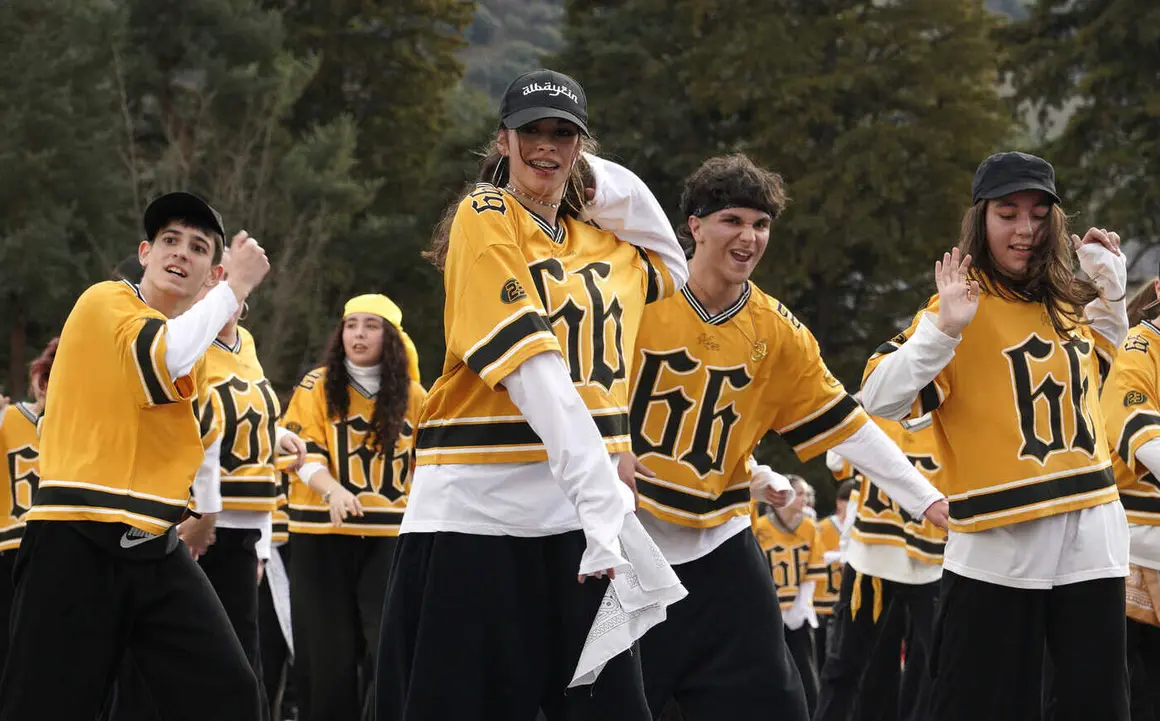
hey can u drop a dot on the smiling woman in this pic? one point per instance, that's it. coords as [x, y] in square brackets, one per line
[1009, 357]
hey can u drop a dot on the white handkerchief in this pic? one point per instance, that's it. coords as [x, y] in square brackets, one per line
[636, 600]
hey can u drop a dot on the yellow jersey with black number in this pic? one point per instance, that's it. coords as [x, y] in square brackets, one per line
[517, 287]
[280, 520]
[827, 590]
[20, 472]
[242, 411]
[704, 396]
[119, 441]
[1017, 418]
[1132, 415]
[881, 521]
[381, 483]
[795, 556]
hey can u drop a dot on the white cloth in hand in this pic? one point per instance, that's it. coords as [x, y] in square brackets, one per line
[767, 483]
[802, 611]
[636, 600]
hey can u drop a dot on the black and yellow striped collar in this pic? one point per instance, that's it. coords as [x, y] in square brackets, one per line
[235, 348]
[1151, 326]
[556, 234]
[136, 290]
[733, 309]
[360, 388]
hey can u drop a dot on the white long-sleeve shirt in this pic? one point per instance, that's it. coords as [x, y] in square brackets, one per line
[1057, 550]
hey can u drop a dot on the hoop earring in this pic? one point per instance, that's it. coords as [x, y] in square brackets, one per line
[496, 173]
[245, 311]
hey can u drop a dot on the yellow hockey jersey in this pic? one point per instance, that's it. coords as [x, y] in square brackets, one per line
[242, 411]
[1017, 418]
[827, 591]
[1132, 415]
[795, 556]
[880, 520]
[119, 441]
[517, 287]
[20, 473]
[380, 483]
[706, 390]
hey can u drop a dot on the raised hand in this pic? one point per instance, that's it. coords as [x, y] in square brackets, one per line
[1099, 236]
[958, 296]
[245, 264]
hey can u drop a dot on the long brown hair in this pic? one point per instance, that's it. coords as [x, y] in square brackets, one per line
[1050, 278]
[495, 168]
[1138, 310]
[40, 368]
[394, 388]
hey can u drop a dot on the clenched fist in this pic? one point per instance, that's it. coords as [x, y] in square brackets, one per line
[245, 264]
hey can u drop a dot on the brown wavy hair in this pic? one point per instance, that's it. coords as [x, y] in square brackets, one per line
[494, 168]
[394, 388]
[41, 367]
[728, 181]
[1138, 310]
[1050, 279]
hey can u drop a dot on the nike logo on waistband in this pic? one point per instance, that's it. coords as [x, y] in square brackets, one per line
[135, 537]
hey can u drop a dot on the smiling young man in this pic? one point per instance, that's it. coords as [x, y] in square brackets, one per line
[718, 366]
[101, 571]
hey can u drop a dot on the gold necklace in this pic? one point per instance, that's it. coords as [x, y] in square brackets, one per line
[760, 349]
[511, 188]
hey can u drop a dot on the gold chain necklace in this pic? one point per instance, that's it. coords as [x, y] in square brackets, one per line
[760, 349]
[511, 188]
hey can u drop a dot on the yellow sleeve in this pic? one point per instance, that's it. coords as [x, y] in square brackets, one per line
[306, 416]
[496, 320]
[659, 282]
[817, 569]
[139, 333]
[414, 410]
[937, 391]
[1129, 402]
[813, 413]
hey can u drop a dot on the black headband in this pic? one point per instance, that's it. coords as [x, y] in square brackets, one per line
[722, 204]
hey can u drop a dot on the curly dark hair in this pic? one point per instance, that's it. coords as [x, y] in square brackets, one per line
[394, 388]
[494, 169]
[1050, 277]
[40, 368]
[728, 181]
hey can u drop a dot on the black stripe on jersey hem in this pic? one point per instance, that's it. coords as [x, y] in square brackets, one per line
[249, 489]
[880, 528]
[928, 399]
[88, 497]
[653, 291]
[1139, 504]
[12, 534]
[824, 605]
[827, 421]
[965, 509]
[528, 323]
[504, 433]
[142, 347]
[373, 517]
[725, 314]
[696, 505]
[1135, 424]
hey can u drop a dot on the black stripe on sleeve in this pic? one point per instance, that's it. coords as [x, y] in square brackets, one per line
[653, 291]
[528, 323]
[887, 347]
[928, 399]
[827, 421]
[1135, 424]
[697, 505]
[966, 509]
[154, 388]
[90, 498]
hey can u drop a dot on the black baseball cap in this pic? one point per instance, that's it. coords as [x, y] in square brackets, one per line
[1010, 172]
[181, 205]
[543, 94]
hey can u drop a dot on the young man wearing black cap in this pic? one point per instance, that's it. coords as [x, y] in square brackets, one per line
[1009, 358]
[100, 571]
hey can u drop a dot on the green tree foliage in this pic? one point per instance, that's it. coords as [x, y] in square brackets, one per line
[875, 113]
[1100, 59]
[64, 200]
[507, 38]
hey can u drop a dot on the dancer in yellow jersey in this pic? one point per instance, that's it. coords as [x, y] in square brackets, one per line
[100, 570]
[893, 566]
[358, 415]
[19, 475]
[716, 368]
[516, 496]
[1010, 356]
[1131, 405]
